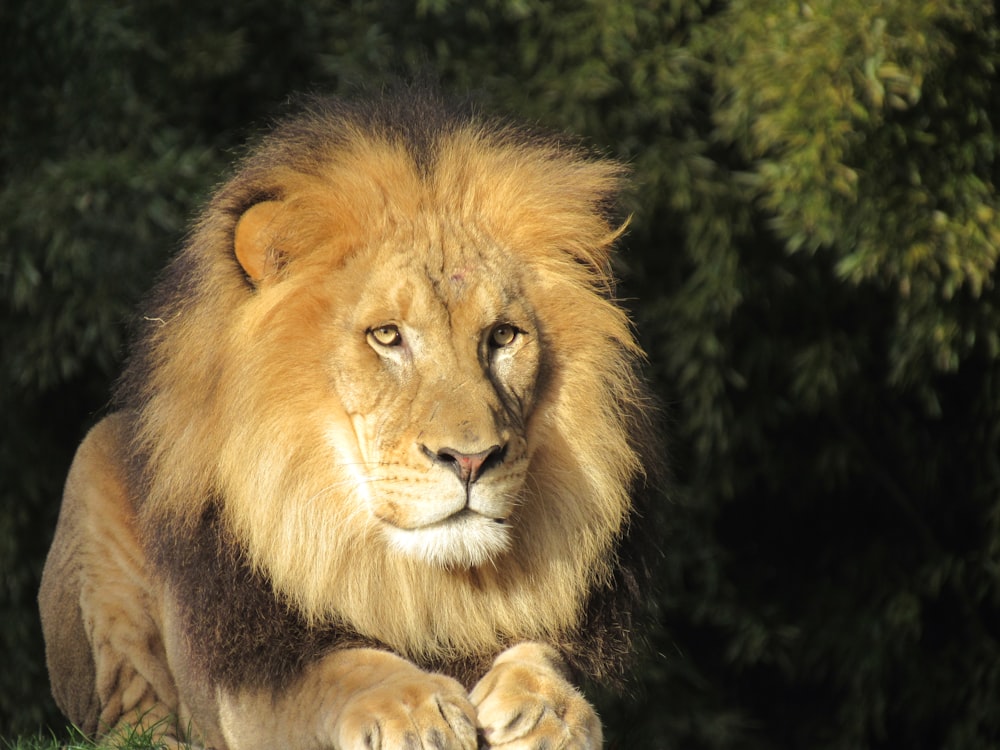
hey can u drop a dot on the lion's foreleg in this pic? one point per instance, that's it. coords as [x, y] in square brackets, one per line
[100, 612]
[526, 701]
[353, 698]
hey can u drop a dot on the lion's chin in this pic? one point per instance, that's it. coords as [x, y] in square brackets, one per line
[464, 540]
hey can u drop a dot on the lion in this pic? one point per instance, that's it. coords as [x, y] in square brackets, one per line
[373, 468]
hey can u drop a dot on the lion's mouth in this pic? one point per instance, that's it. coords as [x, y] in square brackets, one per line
[459, 517]
[463, 539]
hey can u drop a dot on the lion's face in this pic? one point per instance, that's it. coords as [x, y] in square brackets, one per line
[427, 378]
[435, 362]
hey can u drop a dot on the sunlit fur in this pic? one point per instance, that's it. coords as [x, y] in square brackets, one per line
[238, 392]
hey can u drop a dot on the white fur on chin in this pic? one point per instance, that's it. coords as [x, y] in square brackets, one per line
[463, 540]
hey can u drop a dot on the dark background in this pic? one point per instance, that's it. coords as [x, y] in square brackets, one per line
[810, 266]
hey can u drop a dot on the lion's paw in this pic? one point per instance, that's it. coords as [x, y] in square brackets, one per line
[524, 703]
[417, 711]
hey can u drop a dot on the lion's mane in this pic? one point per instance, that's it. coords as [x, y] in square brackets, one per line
[240, 505]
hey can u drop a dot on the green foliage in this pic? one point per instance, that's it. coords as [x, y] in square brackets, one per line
[812, 257]
[873, 122]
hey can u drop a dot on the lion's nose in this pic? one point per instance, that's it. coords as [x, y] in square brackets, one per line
[468, 467]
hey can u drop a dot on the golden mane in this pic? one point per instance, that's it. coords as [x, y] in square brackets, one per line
[223, 387]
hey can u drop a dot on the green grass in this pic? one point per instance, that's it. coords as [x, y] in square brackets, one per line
[127, 739]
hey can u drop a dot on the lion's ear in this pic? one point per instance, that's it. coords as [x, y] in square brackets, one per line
[255, 240]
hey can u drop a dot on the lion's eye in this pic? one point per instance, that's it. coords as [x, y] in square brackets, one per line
[387, 335]
[502, 335]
